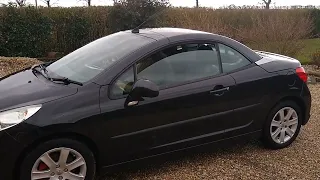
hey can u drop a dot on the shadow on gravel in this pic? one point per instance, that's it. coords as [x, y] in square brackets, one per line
[145, 169]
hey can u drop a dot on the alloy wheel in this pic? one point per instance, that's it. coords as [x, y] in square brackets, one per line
[284, 125]
[59, 164]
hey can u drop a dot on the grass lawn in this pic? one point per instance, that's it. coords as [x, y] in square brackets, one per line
[312, 45]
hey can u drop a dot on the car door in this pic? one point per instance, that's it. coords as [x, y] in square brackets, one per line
[252, 86]
[190, 109]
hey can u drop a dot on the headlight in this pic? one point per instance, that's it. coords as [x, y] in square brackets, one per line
[15, 116]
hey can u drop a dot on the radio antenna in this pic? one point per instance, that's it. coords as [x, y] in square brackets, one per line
[137, 29]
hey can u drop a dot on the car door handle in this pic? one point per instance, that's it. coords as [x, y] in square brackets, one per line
[133, 103]
[220, 92]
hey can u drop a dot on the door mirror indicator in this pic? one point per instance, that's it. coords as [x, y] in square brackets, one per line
[142, 89]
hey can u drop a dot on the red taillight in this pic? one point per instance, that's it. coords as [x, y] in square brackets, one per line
[302, 74]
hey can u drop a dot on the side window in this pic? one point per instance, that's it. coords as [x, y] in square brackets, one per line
[231, 59]
[180, 64]
[123, 84]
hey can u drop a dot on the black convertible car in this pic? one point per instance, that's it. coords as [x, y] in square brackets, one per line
[138, 94]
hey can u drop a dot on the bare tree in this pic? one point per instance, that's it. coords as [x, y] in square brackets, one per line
[197, 3]
[267, 3]
[48, 2]
[21, 2]
[87, 1]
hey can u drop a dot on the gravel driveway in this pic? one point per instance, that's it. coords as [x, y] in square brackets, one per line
[250, 161]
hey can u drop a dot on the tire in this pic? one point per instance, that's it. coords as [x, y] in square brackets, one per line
[276, 141]
[78, 152]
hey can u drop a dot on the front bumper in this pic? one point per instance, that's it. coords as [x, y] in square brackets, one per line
[9, 153]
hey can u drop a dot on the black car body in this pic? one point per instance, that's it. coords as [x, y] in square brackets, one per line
[188, 111]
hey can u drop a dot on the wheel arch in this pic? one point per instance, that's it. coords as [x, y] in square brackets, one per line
[298, 101]
[68, 135]
[280, 103]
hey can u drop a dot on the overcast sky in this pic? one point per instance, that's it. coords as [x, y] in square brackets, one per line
[190, 3]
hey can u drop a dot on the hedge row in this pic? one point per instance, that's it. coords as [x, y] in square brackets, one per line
[316, 16]
[35, 32]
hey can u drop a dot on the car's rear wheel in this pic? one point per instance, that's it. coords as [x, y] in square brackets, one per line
[283, 125]
[60, 159]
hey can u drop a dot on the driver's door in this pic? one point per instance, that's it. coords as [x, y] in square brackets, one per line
[190, 109]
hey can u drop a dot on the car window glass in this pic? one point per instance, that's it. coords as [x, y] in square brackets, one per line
[123, 84]
[89, 61]
[231, 59]
[180, 64]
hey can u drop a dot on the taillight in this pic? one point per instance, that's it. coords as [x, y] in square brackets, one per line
[302, 74]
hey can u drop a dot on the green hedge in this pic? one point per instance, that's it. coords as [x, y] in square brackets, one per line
[24, 33]
[34, 32]
[316, 15]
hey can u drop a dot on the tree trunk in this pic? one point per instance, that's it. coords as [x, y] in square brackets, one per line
[267, 6]
[89, 3]
[21, 3]
[36, 1]
[267, 3]
[197, 3]
[48, 3]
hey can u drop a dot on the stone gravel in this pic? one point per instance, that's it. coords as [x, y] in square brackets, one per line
[13, 64]
[300, 161]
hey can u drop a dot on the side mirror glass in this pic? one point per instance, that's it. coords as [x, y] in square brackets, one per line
[142, 89]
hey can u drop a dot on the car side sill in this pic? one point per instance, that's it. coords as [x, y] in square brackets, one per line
[203, 136]
[254, 134]
[183, 122]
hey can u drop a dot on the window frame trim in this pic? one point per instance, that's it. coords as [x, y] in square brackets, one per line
[238, 69]
[212, 42]
[190, 81]
[110, 94]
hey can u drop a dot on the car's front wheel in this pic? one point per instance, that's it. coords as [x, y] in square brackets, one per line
[283, 125]
[60, 159]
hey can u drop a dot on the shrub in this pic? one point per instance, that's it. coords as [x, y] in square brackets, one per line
[276, 31]
[316, 16]
[74, 32]
[315, 58]
[128, 14]
[24, 32]
[35, 32]
[75, 27]
[197, 18]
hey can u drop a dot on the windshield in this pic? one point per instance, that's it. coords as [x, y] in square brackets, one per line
[87, 62]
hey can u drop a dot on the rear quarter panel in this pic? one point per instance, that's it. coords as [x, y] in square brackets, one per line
[254, 86]
[257, 91]
[285, 85]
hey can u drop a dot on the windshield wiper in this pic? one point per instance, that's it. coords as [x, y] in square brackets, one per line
[43, 71]
[66, 81]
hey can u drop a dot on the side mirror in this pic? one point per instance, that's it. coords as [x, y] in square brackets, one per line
[141, 89]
